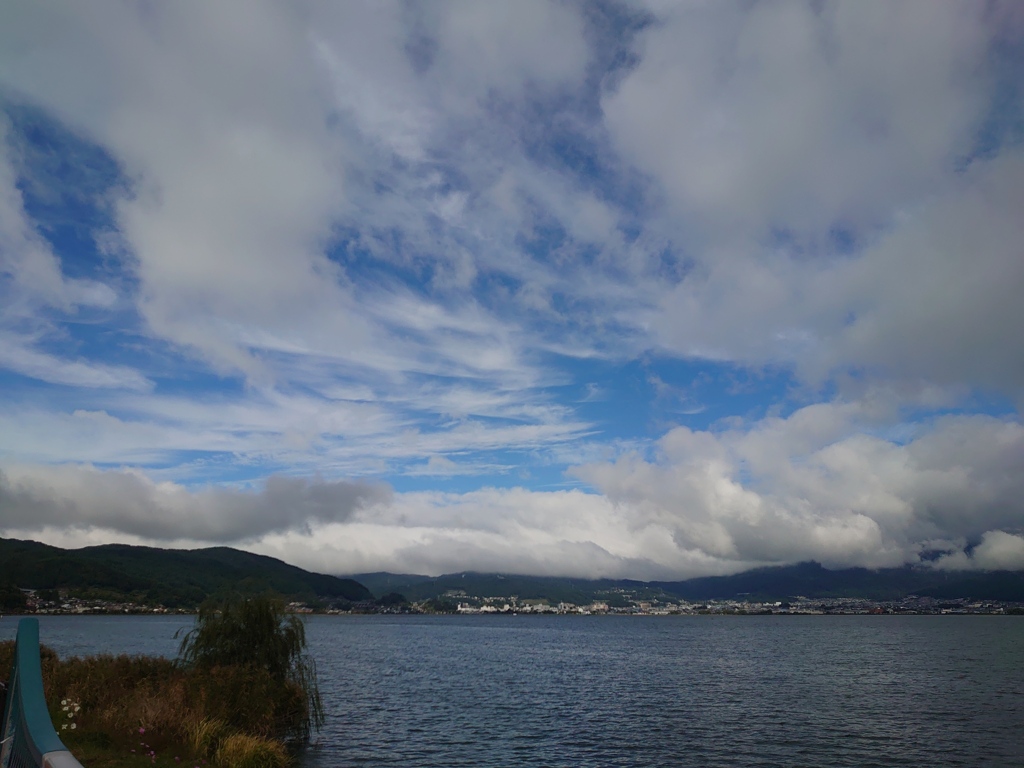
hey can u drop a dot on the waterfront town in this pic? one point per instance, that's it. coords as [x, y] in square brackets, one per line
[460, 603]
[796, 606]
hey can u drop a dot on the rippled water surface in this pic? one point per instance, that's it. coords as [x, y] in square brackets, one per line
[632, 691]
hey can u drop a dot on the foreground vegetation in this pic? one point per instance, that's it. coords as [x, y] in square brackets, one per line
[241, 695]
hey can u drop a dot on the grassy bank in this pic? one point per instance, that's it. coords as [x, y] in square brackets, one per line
[141, 711]
[241, 694]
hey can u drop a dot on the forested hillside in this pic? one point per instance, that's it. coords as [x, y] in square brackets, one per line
[171, 577]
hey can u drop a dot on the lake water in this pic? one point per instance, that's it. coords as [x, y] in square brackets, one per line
[631, 691]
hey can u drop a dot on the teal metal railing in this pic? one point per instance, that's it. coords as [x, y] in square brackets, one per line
[29, 740]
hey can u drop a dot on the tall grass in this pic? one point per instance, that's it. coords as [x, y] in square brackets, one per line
[242, 751]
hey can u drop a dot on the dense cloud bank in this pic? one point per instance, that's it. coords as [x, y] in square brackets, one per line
[127, 502]
[799, 488]
[784, 491]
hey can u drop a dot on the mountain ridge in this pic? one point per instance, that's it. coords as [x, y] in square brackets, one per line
[171, 577]
[186, 577]
[808, 579]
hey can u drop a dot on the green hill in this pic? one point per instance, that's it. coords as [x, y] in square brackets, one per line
[172, 577]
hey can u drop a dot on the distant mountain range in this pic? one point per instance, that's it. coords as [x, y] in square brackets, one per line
[774, 583]
[172, 577]
[812, 580]
[184, 578]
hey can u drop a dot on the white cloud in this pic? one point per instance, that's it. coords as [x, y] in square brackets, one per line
[236, 176]
[511, 46]
[397, 222]
[769, 131]
[798, 116]
[816, 485]
[251, 134]
[26, 259]
[936, 299]
[442, 466]
[16, 354]
[35, 295]
[263, 430]
[997, 551]
[785, 118]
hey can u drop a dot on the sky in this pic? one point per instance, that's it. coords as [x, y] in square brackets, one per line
[648, 290]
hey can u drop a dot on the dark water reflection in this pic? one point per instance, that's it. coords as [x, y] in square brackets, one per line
[630, 691]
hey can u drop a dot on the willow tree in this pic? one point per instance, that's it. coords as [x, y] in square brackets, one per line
[256, 634]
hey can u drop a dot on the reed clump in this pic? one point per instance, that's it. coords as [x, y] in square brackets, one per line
[241, 694]
[205, 735]
[241, 750]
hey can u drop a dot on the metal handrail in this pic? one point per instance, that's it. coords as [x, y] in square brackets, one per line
[27, 734]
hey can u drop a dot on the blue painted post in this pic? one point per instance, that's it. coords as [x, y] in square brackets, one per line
[29, 740]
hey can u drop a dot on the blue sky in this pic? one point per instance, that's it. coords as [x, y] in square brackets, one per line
[651, 290]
